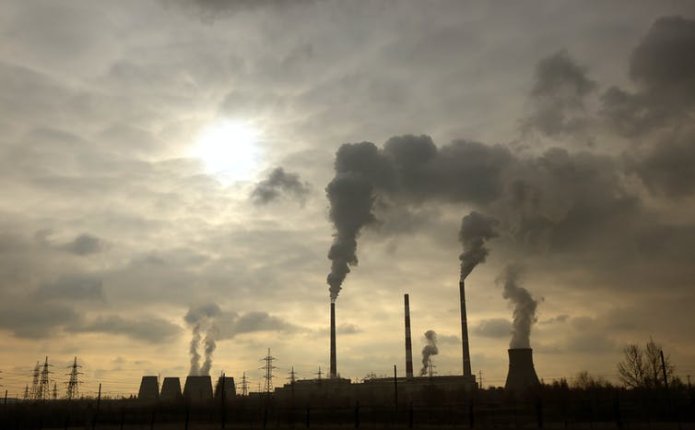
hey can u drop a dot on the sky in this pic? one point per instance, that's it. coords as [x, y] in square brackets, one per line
[173, 167]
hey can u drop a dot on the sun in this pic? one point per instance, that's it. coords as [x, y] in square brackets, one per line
[229, 150]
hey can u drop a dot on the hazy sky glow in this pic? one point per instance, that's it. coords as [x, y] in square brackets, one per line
[159, 156]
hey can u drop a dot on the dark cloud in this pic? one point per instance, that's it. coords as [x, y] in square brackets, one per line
[280, 183]
[251, 322]
[72, 288]
[210, 10]
[667, 168]
[85, 244]
[558, 95]
[36, 320]
[661, 61]
[148, 329]
[498, 328]
[664, 71]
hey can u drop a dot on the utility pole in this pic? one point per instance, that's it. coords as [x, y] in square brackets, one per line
[74, 382]
[54, 395]
[319, 373]
[663, 368]
[268, 368]
[480, 379]
[26, 392]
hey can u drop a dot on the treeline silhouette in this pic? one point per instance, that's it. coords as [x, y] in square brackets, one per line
[551, 406]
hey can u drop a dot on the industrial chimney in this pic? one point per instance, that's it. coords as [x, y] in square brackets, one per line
[464, 333]
[198, 388]
[171, 389]
[522, 375]
[149, 389]
[408, 343]
[334, 367]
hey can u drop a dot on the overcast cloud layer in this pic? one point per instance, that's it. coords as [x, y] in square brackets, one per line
[569, 124]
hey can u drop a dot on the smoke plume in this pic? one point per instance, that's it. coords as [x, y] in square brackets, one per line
[193, 350]
[476, 229]
[201, 319]
[524, 307]
[428, 350]
[351, 208]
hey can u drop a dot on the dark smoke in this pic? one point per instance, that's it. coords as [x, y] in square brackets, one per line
[351, 199]
[201, 319]
[278, 183]
[476, 229]
[524, 307]
[428, 351]
[407, 171]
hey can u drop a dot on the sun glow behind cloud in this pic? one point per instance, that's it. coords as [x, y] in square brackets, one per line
[229, 150]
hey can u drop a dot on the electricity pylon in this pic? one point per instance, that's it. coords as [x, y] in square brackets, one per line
[268, 371]
[74, 382]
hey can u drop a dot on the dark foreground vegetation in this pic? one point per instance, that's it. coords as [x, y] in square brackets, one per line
[552, 406]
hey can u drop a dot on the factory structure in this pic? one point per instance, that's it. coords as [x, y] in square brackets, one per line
[521, 377]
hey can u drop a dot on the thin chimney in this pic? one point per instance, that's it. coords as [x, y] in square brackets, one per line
[464, 332]
[334, 367]
[408, 343]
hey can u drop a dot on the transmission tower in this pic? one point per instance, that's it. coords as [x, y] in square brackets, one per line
[54, 394]
[35, 382]
[44, 387]
[293, 376]
[244, 385]
[319, 373]
[74, 382]
[268, 368]
[26, 392]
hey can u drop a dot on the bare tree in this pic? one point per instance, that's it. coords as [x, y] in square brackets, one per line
[641, 367]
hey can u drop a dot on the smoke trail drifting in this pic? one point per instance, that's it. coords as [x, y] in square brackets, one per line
[210, 346]
[193, 350]
[351, 201]
[201, 319]
[524, 307]
[476, 229]
[429, 350]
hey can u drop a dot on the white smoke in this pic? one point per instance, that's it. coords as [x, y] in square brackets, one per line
[524, 306]
[201, 319]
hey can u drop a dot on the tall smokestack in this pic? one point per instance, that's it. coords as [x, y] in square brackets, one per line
[408, 343]
[334, 366]
[464, 332]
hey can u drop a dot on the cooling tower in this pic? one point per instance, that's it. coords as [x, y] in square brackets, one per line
[464, 333]
[171, 389]
[522, 375]
[408, 343]
[198, 388]
[149, 389]
[334, 366]
[229, 388]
